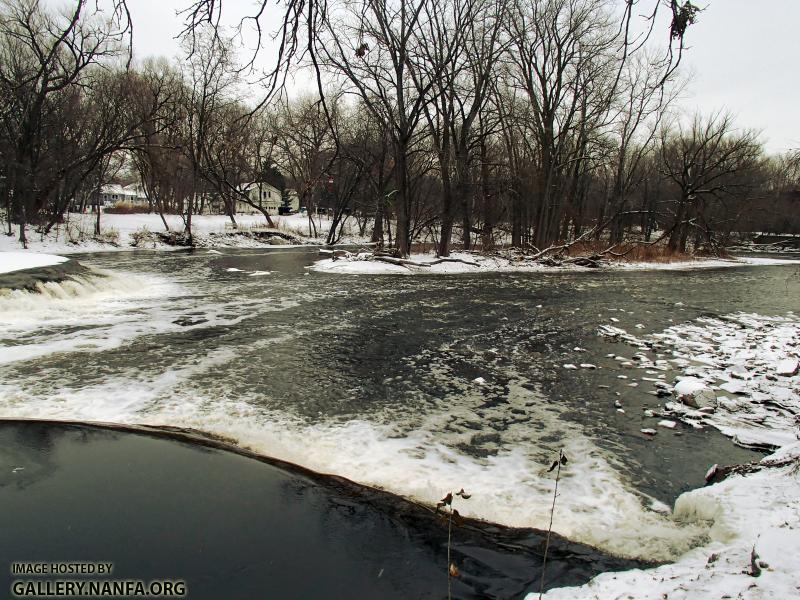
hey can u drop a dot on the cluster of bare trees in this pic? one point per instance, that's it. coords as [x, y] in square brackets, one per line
[76, 112]
[453, 122]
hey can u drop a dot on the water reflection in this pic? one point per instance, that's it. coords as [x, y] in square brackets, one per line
[234, 527]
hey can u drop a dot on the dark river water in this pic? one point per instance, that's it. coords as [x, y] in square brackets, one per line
[373, 377]
[231, 527]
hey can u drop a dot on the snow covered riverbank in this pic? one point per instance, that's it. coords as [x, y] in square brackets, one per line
[754, 546]
[19, 261]
[468, 262]
[740, 375]
[142, 231]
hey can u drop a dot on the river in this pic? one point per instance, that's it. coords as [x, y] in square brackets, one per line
[373, 378]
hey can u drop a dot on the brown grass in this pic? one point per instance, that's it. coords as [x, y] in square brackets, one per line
[126, 208]
[655, 253]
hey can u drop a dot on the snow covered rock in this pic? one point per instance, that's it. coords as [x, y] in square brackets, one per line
[695, 393]
[276, 240]
[734, 387]
[788, 367]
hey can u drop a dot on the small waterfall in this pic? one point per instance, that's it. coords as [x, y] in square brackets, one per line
[64, 290]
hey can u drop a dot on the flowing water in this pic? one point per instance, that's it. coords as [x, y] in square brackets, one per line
[372, 377]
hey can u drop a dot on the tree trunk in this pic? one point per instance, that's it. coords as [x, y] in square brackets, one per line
[675, 233]
[377, 227]
[402, 229]
[447, 220]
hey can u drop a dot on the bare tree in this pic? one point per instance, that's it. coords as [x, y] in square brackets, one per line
[44, 57]
[305, 147]
[702, 161]
[372, 46]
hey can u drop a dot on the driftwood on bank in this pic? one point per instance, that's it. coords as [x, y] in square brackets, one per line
[404, 262]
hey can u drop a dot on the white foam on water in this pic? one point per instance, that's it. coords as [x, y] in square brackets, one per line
[73, 300]
[512, 486]
[105, 311]
[594, 505]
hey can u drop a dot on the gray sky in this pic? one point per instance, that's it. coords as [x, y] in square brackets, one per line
[741, 58]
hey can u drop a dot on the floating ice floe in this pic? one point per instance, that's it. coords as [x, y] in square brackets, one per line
[788, 367]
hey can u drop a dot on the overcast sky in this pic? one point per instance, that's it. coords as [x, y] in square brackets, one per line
[742, 58]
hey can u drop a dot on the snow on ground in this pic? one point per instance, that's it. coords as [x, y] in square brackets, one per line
[467, 262]
[119, 232]
[753, 551]
[740, 375]
[18, 261]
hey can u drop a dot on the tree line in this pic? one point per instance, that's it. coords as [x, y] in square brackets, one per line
[455, 123]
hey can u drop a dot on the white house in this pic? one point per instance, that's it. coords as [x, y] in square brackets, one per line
[261, 194]
[130, 194]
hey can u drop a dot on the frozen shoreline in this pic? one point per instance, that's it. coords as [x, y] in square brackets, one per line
[462, 262]
[125, 233]
[741, 377]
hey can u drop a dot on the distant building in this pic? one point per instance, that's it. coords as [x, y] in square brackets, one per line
[262, 194]
[130, 194]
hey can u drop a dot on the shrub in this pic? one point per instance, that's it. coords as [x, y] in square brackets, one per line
[108, 236]
[143, 237]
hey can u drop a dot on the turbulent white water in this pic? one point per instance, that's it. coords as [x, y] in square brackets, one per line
[413, 449]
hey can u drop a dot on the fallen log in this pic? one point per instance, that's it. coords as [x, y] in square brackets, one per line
[404, 262]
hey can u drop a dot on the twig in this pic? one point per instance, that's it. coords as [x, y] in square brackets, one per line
[449, 529]
[561, 460]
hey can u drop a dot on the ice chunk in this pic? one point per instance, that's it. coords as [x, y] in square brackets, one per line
[788, 367]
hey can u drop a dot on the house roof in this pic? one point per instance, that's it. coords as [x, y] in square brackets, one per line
[120, 190]
[244, 187]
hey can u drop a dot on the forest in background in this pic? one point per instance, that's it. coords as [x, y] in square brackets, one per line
[464, 124]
